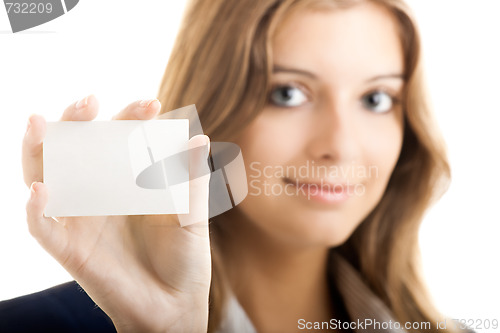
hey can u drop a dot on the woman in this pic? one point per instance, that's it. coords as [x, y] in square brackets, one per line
[334, 86]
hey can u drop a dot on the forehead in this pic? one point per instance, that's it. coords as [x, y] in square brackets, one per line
[355, 42]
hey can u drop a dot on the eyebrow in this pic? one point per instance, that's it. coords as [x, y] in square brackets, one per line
[387, 76]
[281, 69]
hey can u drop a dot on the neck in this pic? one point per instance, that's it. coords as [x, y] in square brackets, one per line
[276, 283]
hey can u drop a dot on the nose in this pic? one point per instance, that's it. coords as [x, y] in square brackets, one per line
[333, 132]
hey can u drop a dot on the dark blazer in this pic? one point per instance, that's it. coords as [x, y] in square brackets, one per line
[63, 308]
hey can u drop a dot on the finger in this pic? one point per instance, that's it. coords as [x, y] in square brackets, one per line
[140, 110]
[199, 186]
[32, 150]
[32, 155]
[48, 232]
[85, 109]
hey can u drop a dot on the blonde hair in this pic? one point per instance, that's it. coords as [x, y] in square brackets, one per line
[222, 62]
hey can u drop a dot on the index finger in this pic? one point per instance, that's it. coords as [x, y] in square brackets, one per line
[32, 148]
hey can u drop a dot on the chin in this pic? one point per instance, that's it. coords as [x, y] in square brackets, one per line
[296, 226]
[313, 233]
[326, 237]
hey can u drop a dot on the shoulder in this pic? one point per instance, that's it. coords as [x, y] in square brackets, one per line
[63, 308]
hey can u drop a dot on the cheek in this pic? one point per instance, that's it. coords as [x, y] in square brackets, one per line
[268, 145]
[271, 140]
[382, 150]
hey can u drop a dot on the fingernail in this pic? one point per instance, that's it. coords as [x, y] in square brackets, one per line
[154, 103]
[207, 142]
[146, 102]
[32, 189]
[29, 125]
[81, 103]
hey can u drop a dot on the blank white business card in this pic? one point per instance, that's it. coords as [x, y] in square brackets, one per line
[91, 167]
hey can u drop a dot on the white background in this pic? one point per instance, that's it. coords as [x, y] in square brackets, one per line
[118, 50]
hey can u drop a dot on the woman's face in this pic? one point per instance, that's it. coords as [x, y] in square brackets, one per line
[319, 156]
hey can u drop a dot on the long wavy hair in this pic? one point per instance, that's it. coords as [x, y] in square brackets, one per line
[222, 62]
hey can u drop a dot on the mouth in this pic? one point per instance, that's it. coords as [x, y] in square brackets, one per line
[323, 191]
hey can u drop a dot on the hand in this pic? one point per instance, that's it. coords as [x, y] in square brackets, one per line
[146, 272]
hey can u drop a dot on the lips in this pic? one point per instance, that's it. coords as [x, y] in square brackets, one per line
[333, 187]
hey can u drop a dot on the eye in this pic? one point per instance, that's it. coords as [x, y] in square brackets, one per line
[287, 96]
[378, 101]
